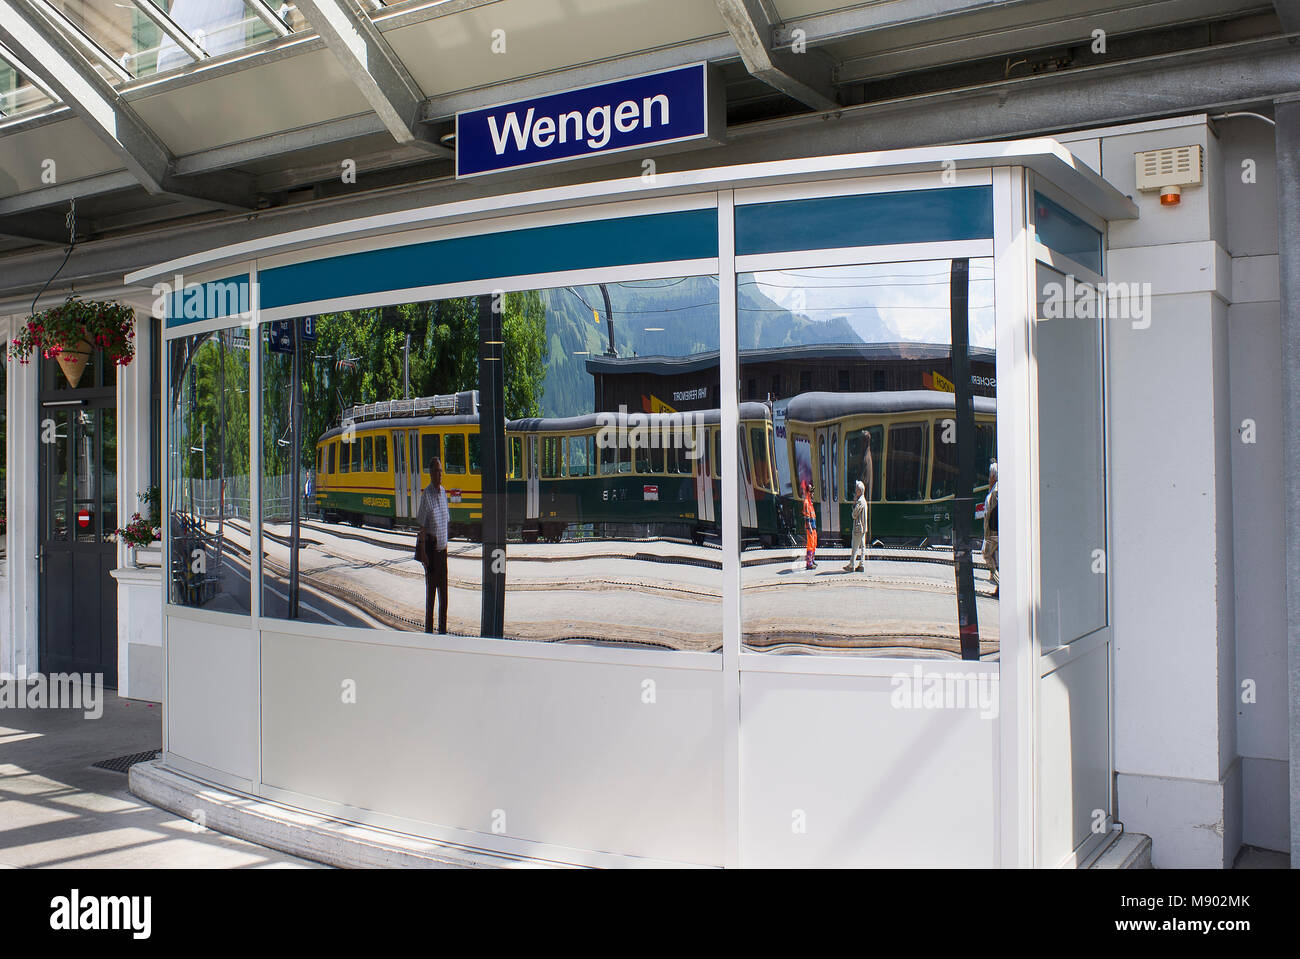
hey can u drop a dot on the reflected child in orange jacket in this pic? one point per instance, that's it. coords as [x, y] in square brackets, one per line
[810, 525]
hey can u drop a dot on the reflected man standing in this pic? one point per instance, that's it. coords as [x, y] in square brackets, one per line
[432, 519]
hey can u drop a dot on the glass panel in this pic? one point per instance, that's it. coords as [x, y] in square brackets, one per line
[368, 454]
[17, 93]
[207, 475]
[455, 453]
[217, 26]
[859, 366]
[905, 462]
[515, 447]
[571, 399]
[1060, 230]
[59, 423]
[108, 475]
[118, 28]
[430, 452]
[1071, 460]
[870, 219]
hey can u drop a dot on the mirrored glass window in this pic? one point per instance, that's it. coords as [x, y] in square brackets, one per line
[608, 482]
[868, 445]
[1071, 459]
[208, 471]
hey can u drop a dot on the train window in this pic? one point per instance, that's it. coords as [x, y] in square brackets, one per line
[551, 456]
[862, 461]
[821, 467]
[641, 460]
[368, 454]
[455, 459]
[943, 478]
[345, 458]
[356, 455]
[580, 458]
[475, 454]
[758, 456]
[624, 460]
[381, 454]
[717, 451]
[986, 452]
[318, 459]
[905, 463]
[430, 452]
[516, 458]
[608, 460]
[656, 459]
[333, 456]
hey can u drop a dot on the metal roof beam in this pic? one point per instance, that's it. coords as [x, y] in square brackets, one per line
[369, 61]
[44, 228]
[48, 53]
[797, 75]
[1288, 11]
[855, 21]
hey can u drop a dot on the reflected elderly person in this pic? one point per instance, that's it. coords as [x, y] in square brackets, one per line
[991, 528]
[432, 520]
[859, 528]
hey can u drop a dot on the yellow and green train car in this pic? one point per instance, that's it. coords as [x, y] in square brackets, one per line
[373, 468]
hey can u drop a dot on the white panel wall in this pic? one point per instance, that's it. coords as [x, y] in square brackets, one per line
[1254, 348]
[870, 784]
[566, 753]
[1073, 754]
[211, 708]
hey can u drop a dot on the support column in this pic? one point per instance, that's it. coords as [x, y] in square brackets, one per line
[1287, 115]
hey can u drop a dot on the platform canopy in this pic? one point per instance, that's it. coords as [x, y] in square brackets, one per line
[146, 111]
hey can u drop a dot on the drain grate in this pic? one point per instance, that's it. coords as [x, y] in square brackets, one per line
[123, 763]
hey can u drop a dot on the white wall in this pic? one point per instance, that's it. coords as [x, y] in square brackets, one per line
[1254, 350]
[1172, 561]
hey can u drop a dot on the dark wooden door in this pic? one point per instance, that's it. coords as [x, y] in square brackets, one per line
[78, 516]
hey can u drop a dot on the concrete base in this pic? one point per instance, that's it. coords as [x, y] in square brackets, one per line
[1130, 851]
[300, 833]
[1193, 824]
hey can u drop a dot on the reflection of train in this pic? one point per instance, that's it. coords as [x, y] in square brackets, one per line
[645, 468]
[373, 468]
[913, 459]
[660, 469]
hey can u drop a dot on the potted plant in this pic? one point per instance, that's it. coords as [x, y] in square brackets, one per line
[69, 332]
[143, 531]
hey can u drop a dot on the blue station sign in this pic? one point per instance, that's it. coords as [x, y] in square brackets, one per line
[636, 113]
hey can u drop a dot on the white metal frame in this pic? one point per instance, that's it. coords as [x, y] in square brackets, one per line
[1050, 661]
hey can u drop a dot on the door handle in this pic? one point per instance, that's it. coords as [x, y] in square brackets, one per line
[40, 561]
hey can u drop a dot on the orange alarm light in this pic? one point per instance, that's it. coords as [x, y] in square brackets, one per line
[1170, 196]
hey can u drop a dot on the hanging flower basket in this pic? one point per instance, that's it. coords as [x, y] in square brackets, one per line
[71, 331]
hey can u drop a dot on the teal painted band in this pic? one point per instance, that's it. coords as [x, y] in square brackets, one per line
[592, 244]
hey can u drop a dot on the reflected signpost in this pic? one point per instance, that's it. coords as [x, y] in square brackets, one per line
[963, 502]
[492, 431]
